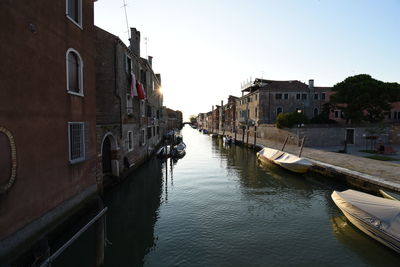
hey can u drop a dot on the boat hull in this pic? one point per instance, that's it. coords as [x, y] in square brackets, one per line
[376, 233]
[285, 160]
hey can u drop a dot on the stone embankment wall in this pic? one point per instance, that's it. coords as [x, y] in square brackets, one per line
[318, 135]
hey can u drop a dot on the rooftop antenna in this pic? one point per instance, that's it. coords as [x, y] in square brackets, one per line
[126, 19]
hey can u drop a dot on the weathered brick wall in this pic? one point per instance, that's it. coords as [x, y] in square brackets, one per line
[107, 101]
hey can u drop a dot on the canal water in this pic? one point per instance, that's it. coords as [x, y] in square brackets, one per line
[218, 206]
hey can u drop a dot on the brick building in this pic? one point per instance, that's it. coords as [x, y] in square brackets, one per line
[47, 117]
[228, 115]
[128, 124]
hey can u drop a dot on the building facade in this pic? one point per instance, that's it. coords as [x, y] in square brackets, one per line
[129, 103]
[263, 100]
[48, 117]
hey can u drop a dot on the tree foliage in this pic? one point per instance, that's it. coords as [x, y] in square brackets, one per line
[362, 98]
[290, 119]
[323, 117]
[193, 119]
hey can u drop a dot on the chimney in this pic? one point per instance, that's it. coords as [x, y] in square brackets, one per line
[311, 84]
[135, 41]
[150, 59]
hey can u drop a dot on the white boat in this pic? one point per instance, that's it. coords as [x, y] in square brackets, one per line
[377, 217]
[285, 160]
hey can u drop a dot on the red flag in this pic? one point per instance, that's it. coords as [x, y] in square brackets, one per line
[141, 92]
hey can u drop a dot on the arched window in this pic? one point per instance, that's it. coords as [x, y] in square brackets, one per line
[74, 72]
[315, 112]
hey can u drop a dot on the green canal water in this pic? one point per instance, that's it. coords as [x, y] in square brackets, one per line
[218, 206]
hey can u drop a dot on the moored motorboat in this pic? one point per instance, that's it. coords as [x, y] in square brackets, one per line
[228, 140]
[377, 217]
[285, 160]
[179, 150]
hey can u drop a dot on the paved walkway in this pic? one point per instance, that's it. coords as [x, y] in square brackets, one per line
[384, 172]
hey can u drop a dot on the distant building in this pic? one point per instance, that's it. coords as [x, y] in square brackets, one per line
[228, 115]
[263, 100]
[48, 118]
[215, 118]
[201, 120]
[174, 119]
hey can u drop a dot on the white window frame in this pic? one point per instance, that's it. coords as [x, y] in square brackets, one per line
[130, 141]
[80, 23]
[82, 157]
[80, 72]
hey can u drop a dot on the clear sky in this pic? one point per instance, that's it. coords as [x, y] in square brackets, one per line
[204, 49]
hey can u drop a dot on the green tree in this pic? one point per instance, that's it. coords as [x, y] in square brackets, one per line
[290, 119]
[362, 98]
[193, 119]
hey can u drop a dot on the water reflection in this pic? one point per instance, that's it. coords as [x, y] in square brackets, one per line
[360, 243]
[133, 212]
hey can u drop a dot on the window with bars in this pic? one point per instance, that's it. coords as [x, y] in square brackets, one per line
[76, 141]
[74, 11]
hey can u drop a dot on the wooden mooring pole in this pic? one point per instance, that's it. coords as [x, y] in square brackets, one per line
[284, 144]
[255, 136]
[302, 144]
[247, 136]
